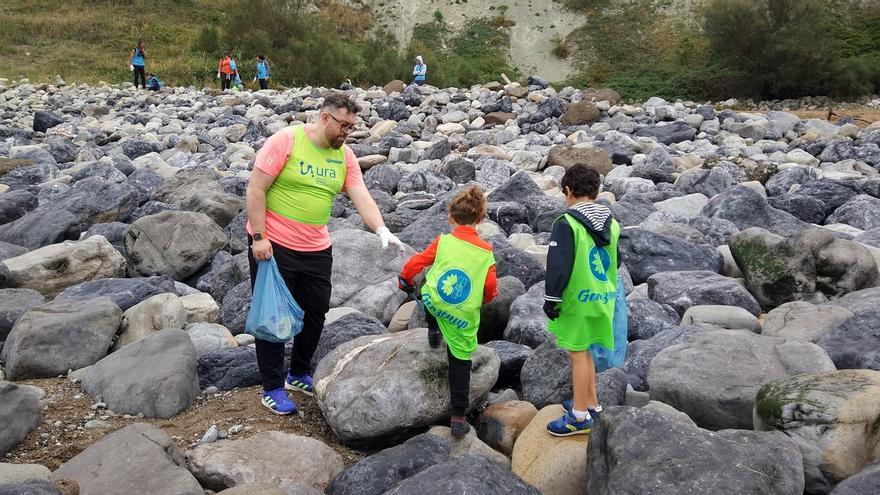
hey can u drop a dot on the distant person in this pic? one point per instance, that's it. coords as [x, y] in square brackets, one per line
[461, 279]
[237, 85]
[153, 82]
[136, 63]
[264, 71]
[580, 292]
[225, 71]
[420, 71]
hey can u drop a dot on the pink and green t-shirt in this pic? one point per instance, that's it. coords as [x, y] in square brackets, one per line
[306, 179]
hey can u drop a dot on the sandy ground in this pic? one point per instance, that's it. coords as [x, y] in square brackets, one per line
[862, 116]
[62, 435]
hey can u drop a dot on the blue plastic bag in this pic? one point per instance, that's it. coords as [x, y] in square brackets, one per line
[602, 357]
[274, 315]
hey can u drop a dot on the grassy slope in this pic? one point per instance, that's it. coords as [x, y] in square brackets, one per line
[90, 40]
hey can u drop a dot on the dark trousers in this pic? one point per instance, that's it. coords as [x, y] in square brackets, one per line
[307, 275]
[459, 376]
[264, 83]
[139, 73]
[226, 83]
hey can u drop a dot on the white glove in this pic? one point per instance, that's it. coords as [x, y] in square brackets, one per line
[218, 75]
[131, 68]
[255, 80]
[386, 237]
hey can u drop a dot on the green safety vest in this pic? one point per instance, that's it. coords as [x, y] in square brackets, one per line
[453, 292]
[306, 186]
[587, 308]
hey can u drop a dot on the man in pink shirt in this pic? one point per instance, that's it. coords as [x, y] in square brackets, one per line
[297, 173]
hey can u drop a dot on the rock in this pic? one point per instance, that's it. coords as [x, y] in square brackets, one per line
[674, 132]
[469, 444]
[567, 156]
[230, 368]
[346, 328]
[831, 192]
[717, 388]
[15, 204]
[502, 423]
[865, 481]
[702, 181]
[806, 208]
[746, 208]
[721, 318]
[498, 118]
[854, 344]
[862, 212]
[528, 324]
[415, 387]
[471, 473]
[546, 378]
[646, 318]
[511, 261]
[460, 170]
[688, 206]
[392, 109]
[368, 287]
[20, 473]
[646, 253]
[8, 250]
[782, 182]
[14, 303]
[40, 487]
[630, 450]
[382, 471]
[155, 376]
[51, 269]
[658, 167]
[827, 415]
[173, 243]
[20, 412]
[495, 315]
[125, 292]
[779, 270]
[632, 209]
[580, 113]
[554, 465]
[52, 338]
[129, 460]
[235, 306]
[682, 290]
[799, 320]
[269, 489]
[640, 353]
[43, 121]
[512, 357]
[200, 307]
[209, 337]
[40, 228]
[297, 459]
[394, 86]
[152, 315]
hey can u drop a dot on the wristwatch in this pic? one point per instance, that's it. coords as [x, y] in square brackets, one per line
[258, 236]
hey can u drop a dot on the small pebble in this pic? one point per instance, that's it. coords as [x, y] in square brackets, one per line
[95, 424]
[236, 429]
[211, 435]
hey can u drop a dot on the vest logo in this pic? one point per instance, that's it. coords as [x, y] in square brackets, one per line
[308, 169]
[599, 262]
[454, 286]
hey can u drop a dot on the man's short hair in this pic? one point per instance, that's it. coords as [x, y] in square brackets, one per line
[582, 179]
[338, 101]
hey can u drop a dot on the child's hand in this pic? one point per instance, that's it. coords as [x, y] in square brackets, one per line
[403, 285]
[551, 309]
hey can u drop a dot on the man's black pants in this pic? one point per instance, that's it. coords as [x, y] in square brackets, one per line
[459, 376]
[139, 73]
[264, 84]
[307, 275]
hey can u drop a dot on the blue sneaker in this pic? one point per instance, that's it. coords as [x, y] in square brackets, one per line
[300, 384]
[567, 425]
[594, 413]
[278, 402]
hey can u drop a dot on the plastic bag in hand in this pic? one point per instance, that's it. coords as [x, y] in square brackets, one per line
[602, 357]
[274, 315]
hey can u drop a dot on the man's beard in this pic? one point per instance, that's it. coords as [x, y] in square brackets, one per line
[337, 143]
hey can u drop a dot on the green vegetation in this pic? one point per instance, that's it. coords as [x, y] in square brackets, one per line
[742, 48]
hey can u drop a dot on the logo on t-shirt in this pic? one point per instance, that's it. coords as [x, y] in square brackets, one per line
[599, 262]
[454, 286]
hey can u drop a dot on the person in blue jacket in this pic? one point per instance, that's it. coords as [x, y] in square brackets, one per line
[264, 71]
[153, 82]
[136, 62]
[420, 71]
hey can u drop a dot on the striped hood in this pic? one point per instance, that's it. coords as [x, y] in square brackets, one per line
[596, 218]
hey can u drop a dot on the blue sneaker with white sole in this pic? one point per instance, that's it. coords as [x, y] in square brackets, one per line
[301, 384]
[594, 413]
[278, 402]
[568, 425]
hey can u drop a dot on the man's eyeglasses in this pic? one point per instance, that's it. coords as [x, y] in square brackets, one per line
[343, 126]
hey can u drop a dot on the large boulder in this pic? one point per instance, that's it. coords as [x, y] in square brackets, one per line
[365, 275]
[640, 353]
[199, 190]
[717, 387]
[155, 376]
[39, 487]
[125, 292]
[779, 270]
[554, 465]
[711, 317]
[865, 481]
[43, 121]
[230, 368]
[646, 253]
[580, 113]
[495, 315]
[646, 318]
[803, 321]
[173, 243]
[15, 204]
[139, 458]
[469, 444]
[658, 167]
[682, 290]
[827, 415]
[14, 303]
[149, 316]
[20, 413]
[656, 450]
[51, 269]
[344, 329]
[294, 460]
[470, 473]
[673, 132]
[855, 343]
[58, 336]
[415, 390]
[746, 208]
[502, 423]
[567, 155]
[528, 323]
[512, 357]
[209, 337]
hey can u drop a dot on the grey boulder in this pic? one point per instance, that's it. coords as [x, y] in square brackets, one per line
[20, 413]
[682, 290]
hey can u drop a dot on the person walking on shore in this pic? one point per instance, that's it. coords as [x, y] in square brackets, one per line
[420, 71]
[137, 62]
[264, 71]
[225, 71]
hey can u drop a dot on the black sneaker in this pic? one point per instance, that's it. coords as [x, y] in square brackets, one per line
[434, 338]
[459, 426]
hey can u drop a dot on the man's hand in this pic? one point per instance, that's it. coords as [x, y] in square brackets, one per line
[388, 238]
[551, 309]
[262, 249]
